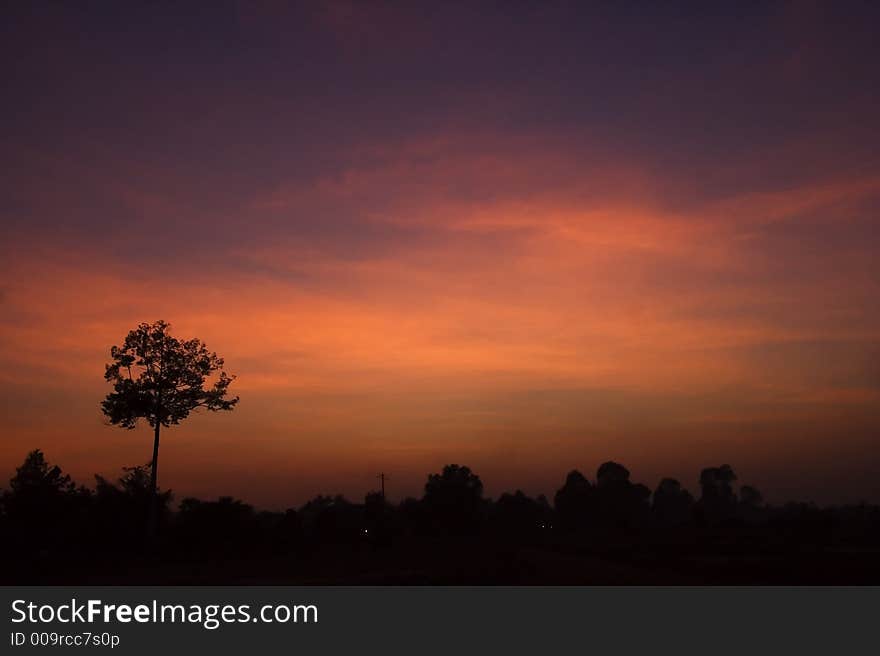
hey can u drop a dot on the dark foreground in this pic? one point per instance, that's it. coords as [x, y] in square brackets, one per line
[710, 558]
[608, 531]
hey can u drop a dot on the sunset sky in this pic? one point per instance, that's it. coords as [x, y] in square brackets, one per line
[526, 237]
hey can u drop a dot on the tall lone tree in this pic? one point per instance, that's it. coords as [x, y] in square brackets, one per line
[161, 379]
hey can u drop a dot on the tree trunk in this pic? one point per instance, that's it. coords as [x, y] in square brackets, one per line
[154, 496]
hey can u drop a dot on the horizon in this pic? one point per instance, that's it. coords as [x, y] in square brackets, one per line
[526, 239]
[695, 490]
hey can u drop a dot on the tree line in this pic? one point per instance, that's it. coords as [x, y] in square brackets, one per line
[44, 511]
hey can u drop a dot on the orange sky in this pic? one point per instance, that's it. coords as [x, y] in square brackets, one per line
[522, 296]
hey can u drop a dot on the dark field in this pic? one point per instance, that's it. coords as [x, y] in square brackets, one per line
[609, 531]
[707, 559]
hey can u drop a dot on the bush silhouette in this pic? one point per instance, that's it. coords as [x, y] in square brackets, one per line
[453, 500]
[518, 514]
[575, 502]
[619, 502]
[124, 507]
[332, 519]
[718, 500]
[672, 505]
[224, 525]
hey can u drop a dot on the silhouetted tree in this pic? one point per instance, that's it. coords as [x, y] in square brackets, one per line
[42, 503]
[611, 473]
[453, 499]
[224, 525]
[672, 505]
[518, 513]
[161, 379]
[575, 501]
[718, 499]
[332, 519]
[751, 503]
[36, 480]
[124, 507]
[619, 502]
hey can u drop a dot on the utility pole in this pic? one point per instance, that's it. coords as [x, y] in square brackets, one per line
[381, 478]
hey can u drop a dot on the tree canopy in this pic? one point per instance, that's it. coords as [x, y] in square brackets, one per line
[161, 379]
